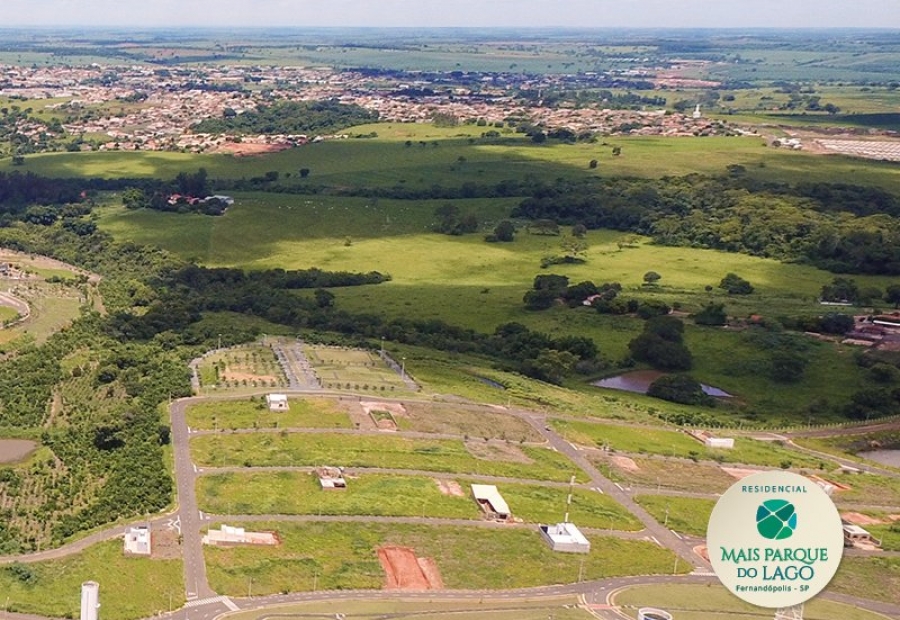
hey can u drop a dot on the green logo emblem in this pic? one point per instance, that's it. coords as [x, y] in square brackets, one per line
[776, 519]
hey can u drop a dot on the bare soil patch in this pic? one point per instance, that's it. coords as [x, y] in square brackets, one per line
[243, 149]
[231, 375]
[15, 450]
[497, 451]
[165, 545]
[860, 519]
[449, 487]
[404, 571]
[739, 473]
[625, 462]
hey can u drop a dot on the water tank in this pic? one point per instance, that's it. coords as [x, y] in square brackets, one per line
[649, 613]
[90, 600]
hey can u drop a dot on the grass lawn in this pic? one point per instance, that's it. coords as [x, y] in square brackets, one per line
[399, 496]
[562, 608]
[873, 578]
[284, 449]
[53, 588]
[678, 444]
[866, 489]
[300, 493]
[330, 556]
[687, 515]
[715, 602]
[889, 535]
[253, 413]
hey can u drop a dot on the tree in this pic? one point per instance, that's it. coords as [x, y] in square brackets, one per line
[788, 366]
[892, 294]
[736, 285]
[304, 172]
[579, 230]
[592, 164]
[543, 227]
[574, 248]
[504, 231]
[660, 353]
[324, 299]
[134, 198]
[550, 282]
[843, 290]
[679, 389]
[711, 314]
[651, 278]
[540, 299]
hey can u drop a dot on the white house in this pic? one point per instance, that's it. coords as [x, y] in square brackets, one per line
[565, 537]
[277, 402]
[137, 540]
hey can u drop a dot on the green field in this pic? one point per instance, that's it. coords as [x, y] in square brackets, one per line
[130, 587]
[687, 515]
[873, 578]
[563, 608]
[399, 496]
[678, 444]
[329, 556]
[253, 413]
[253, 366]
[285, 449]
[714, 602]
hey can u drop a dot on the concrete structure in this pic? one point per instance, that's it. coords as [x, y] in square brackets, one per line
[708, 440]
[90, 600]
[790, 613]
[491, 502]
[277, 402]
[856, 536]
[565, 537]
[697, 114]
[238, 536]
[138, 540]
[650, 613]
[331, 477]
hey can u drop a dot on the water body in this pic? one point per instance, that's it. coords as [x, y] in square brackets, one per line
[885, 457]
[638, 381]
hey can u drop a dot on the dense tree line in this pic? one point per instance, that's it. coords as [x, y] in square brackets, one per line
[290, 117]
[839, 227]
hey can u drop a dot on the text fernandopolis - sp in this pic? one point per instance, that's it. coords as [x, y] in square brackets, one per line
[773, 488]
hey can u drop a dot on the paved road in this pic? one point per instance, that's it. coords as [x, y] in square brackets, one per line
[196, 583]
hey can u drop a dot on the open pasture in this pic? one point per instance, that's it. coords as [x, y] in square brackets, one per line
[715, 602]
[876, 578]
[299, 493]
[678, 444]
[246, 366]
[464, 420]
[328, 556]
[345, 368]
[53, 588]
[667, 473]
[379, 451]
[254, 413]
[685, 515]
[563, 608]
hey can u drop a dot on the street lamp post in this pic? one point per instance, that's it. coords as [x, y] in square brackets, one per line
[666, 522]
[403, 367]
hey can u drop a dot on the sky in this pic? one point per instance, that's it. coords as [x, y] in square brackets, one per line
[456, 13]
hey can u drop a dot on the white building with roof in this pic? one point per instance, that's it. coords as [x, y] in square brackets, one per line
[277, 402]
[137, 540]
[565, 537]
[490, 501]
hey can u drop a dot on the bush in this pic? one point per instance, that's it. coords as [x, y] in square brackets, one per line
[679, 389]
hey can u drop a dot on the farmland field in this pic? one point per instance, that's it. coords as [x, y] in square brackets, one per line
[331, 556]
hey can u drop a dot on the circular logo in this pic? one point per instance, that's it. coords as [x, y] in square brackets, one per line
[776, 519]
[775, 539]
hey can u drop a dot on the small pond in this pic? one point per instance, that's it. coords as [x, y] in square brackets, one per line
[885, 457]
[638, 381]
